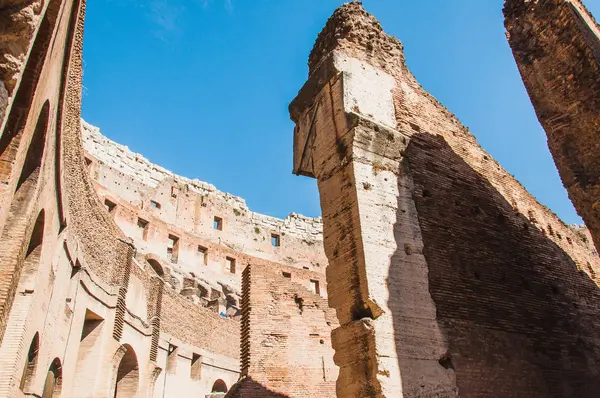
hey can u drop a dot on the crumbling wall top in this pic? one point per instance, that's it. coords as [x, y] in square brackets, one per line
[358, 33]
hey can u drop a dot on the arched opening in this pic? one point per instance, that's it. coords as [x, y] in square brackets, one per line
[12, 135]
[53, 383]
[35, 152]
[156, 267]
[31, 361]
[219, 387]
[32, 256]
[128, 375]
[19, 215]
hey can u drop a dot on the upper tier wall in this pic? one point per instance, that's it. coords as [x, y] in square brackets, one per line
[190, 206]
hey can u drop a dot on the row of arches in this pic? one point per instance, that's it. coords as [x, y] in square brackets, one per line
[53, 380]
[127, 377]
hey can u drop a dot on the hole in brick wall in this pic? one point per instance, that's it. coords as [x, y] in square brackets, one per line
[196, 368]
[569, 240]
[531, 216]
[526, 284]
[555, 289]
[155, 204]
[218, 223]
[174, 192]
[299, 303]
[590, 269]
[287, 275]
[314, 286]
[110, 205]
[202, 255]
[230, 265]
[173, 248]
[275, 240]
[500, 218]
[550, 230]
[426, 193]
[446, 361]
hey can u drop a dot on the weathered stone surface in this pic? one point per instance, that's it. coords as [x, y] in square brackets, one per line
[438, 259]
[556, 44]
[286, 338]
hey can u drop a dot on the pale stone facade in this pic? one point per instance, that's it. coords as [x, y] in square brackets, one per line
[94, 303]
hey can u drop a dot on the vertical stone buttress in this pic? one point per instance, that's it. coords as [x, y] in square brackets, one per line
[556, 44]
[346, 136]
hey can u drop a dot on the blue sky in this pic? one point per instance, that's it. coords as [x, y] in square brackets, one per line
[201, 87]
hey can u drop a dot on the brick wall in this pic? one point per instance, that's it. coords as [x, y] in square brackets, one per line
[286, 346]
[556, 44]
[447, 276]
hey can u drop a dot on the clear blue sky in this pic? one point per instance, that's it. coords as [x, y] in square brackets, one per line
[201, 87]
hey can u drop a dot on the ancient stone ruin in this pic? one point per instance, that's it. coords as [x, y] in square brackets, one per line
[557, 48]
[432, 273]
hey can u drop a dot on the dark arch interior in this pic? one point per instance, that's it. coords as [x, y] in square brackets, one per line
[127, 375]
[53, 380]
[219, 386]
[35, 153]
[30, 362]
[37, 236]
[156, 267]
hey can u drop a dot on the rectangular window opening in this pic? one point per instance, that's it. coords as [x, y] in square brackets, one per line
[143, 225]
[230, 265]
[314, 287]
[110, 205]
[91, 327]
[203, 255]
[287, 275]
[218, 223]
[172, 359]
[275, 240]
[196, 369]
[173, 248]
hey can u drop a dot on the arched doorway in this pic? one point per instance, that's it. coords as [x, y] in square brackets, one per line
[219, 387]
[31, 361]
[128, 375]
[53, 383]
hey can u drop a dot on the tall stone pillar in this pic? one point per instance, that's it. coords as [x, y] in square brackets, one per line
[389, 343]
[556, 44]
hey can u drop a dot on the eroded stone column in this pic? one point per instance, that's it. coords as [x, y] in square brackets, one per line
[389, 343]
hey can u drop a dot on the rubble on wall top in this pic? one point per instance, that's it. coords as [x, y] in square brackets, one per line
[121, 158]
[353, 30]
